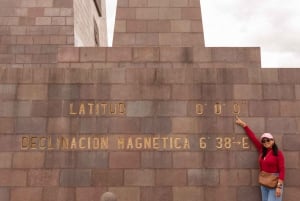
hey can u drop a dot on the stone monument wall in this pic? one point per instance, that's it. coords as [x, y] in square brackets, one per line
[146, 122]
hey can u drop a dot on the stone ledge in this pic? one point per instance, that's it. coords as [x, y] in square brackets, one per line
[160, 54]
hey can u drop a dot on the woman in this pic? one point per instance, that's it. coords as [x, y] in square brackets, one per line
[270, 160]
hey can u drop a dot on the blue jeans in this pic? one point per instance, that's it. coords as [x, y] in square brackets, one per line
[268, 194]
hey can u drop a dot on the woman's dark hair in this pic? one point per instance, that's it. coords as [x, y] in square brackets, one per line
[265, 150]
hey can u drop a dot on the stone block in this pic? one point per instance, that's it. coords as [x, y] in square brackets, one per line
[123, 39]
[170, 39]
[289, 108]
[7, 125]
[9, 143]
[203, 177]
[23, 59]
[222, 159]
[32, 92]
[125, 125]
[156, 159]
[41, 177]
[108, 177]
[291, 193]
[191, 14]
[220, 193]
[89, 193]
[58, 125]
[56, 75]
[119, 54]
[188, 160]
[126, 193]
[116, 76]
[7, 108]
[192, 39]
[60, 160]
[279, 92]
[28, 160]
[156, 193]
[6, 161]
[7, 58]
[146, 39]
[140, 75]
[292, 159]
[291, 142]
[68, 54]
[58, 194]
[12, 178]
[140, 108]
[188, 193]
[91, 54]
[232, 76]
[247, 159]
[63, 3]
[156, 125]
[147, 13]
[139, 177]
[120, 26]
[172, 108]
[201, 54]
[92, 160]
[136, 26]
[289, 76]
[8, 92]
[248, 193]
[141, 54]
[185, 125]
[264, 109]
[159, 26]
[63, 91]
[54, 108]
[181, 26]
[235, 177]
[257, 123]
[75, 178]
[39, 109]
[187, 92]
[281, 125]
[123, 13]
[171, 75]
[247, 92]
[26, 194]
[174, 54]
[124, 160]
[171, 177]
[31, 125]
[4, 194]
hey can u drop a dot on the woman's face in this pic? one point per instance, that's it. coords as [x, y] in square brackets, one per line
[268, 143]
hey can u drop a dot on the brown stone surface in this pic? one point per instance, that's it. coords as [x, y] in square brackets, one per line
[160, 69]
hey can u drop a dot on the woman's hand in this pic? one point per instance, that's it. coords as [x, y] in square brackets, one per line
[278, 192]
[239, 122]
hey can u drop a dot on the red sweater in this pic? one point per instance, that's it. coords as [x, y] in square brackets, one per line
[271, 163]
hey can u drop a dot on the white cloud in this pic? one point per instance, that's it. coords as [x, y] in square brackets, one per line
[271, 25]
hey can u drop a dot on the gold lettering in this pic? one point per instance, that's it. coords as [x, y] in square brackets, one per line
[138, 143]
[81, 109]
[73, 143]
[89, 142]
[91, 108]
[104, 143]
[97, 109]
[81, 146]
[202, 143]
[164, 139]
[129, 143]
[176, 143]
[122, 108]
[218, 108]
[121, 143]
[43, 143]
[186, 144]
[33, 143]
[103, 106]
[113, 108]
[64, 142]
[199, 109]
[147, 143]
[25, 143]
[245, 143]
[71, 112]
[155, 143]
[236, 109]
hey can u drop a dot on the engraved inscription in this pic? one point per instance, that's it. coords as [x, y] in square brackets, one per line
[97, 109]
